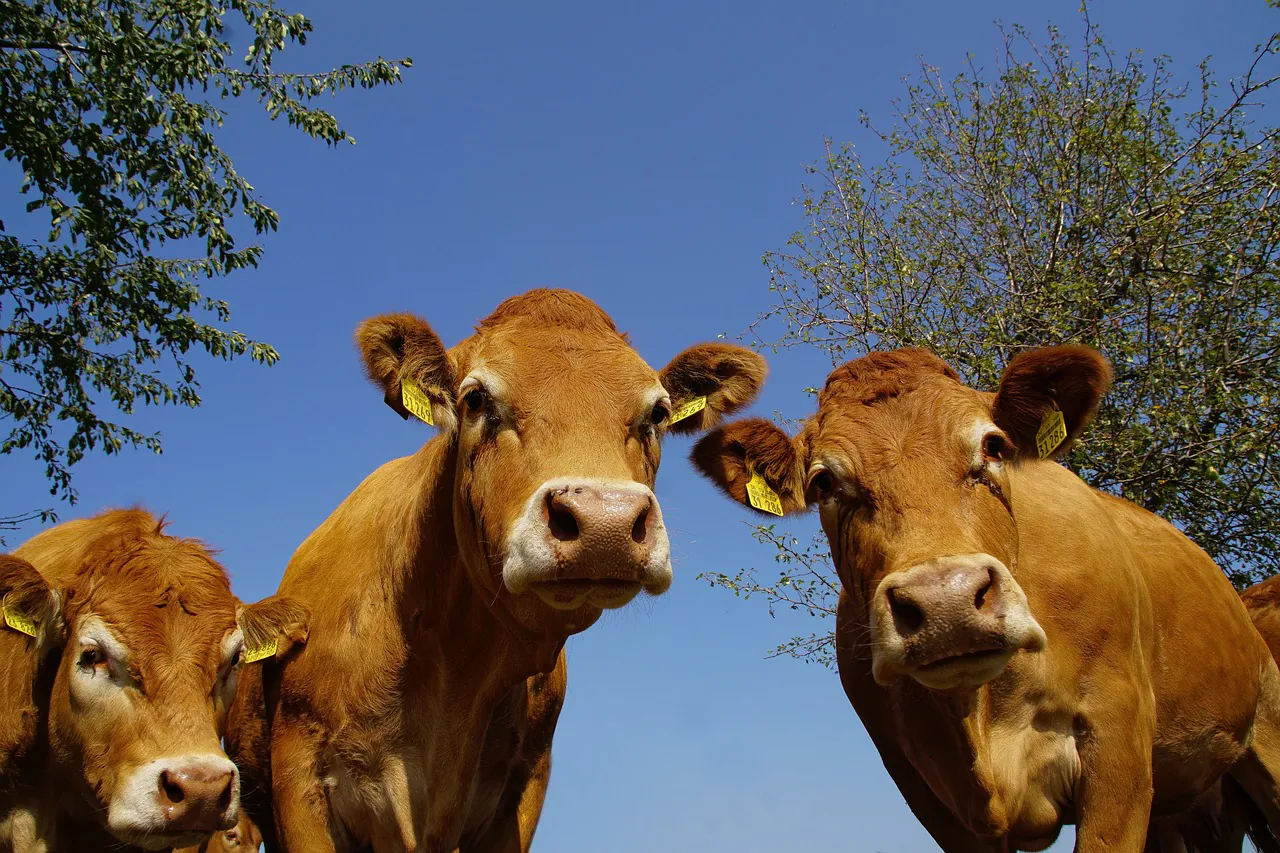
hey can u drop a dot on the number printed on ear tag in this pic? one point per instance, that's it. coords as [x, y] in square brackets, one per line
[684, 410]
[762, 497]
[261, 652]
[1052, 432]
[416, 401]
[19, 621]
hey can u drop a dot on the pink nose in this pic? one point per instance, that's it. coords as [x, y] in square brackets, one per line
[600, 532]
[949, 608]
[196, 798]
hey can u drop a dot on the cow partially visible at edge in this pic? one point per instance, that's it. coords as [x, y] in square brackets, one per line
[118, 664]
[1025, 651]
[420, 714]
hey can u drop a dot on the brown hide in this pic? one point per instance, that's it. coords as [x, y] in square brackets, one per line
[1023, 650]
[115, 739]
[420, 714]
[1263, 601]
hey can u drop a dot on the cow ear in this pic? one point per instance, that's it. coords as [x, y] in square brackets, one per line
[273, 627]
[406, 359]
[1041, 383]
[728, 376]
[29, 605]
[732, 454]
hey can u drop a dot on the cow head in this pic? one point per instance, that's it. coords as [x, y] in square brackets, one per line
[910, 472]
[554, 425]
[147, 640]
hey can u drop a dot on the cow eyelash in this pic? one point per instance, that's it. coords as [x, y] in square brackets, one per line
[91, 657]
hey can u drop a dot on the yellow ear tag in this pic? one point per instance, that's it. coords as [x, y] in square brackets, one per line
[19, 621]
[684, 410]
[762, 497]
[261, 652]
[1052, 432]
[416, 401]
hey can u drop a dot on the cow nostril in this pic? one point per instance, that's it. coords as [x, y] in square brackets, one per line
[172, 790]
[560, 521]
[907, 618]
[640, 530]
[980, 597]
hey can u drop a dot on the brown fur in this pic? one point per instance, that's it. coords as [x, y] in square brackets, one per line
[170, 603]
[1263, 601]
[421, 712]
[1108, 723]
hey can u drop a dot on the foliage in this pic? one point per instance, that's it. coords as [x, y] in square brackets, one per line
[1071, 195]
[110, 111]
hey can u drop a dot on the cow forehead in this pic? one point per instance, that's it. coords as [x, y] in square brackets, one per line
[880, 420]
[162, 593]
[532, 361]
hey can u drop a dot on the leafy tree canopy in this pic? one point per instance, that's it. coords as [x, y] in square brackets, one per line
[110, 110]
[1066, 194]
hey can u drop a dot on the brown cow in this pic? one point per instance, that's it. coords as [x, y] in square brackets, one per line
[446, 582]
[119, 666]
[1024, 651]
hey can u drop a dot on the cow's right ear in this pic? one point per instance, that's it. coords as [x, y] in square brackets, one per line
[730, 455]
[273, 627]
[406, 359]
[29, 605]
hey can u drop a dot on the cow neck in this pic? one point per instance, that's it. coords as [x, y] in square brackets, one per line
[950, 745]
[452, 617]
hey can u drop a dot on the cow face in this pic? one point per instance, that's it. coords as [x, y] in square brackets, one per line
[147, 640]
[910, 472]
[555, 425]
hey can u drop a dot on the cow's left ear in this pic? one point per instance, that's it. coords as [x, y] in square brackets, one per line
[727, 376]
[28, 605]
[272, 627]
[1068, 379]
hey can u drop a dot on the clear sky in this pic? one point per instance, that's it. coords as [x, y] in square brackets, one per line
[645, 154]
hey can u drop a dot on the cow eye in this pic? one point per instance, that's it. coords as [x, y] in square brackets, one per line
[91, 657]
[659, 414]
[475, 399]
[822, 484]
[994, 447]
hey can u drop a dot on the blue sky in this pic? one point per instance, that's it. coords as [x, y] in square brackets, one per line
[645, 154]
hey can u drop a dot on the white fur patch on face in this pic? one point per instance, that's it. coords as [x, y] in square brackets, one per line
[229, 668]
[142, 813]
[100, 664]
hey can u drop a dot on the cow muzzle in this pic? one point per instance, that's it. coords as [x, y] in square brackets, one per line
[176, 802]
[589, 542]
[950, 623]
